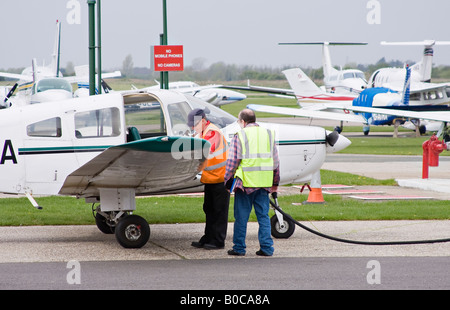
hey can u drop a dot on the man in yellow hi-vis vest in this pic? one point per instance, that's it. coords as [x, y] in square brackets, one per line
[216, 197]
[253, 169]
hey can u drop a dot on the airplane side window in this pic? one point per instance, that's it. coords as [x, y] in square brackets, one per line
[178, 113]
[147, 118]
[47, 128]
[414, 97]
[97, 123]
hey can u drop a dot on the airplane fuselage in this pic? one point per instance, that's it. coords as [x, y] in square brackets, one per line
[42, 144]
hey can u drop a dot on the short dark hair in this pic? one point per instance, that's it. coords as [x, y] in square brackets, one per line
[247, 116]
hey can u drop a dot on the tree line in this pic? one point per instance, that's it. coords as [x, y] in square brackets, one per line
[221, 71]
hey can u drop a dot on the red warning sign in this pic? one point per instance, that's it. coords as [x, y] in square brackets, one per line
[168, 57]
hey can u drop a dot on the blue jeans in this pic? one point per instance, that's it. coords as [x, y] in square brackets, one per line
[242, 207]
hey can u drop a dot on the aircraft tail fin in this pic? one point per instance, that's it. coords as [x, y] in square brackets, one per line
[326, 58]
[300, 83]
[406, 87]
[426, 64]
[56, 50]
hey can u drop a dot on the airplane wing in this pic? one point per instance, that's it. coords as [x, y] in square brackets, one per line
[431, 116]
[85, 78]
[16, 76]
[148, 165]
[307, 113]
[417, 87]
[270, 90]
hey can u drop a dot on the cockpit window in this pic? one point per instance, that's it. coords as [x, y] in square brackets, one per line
[215, 115]
[47, 84]
[178, 114]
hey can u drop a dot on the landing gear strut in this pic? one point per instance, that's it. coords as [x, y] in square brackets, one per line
[115, 216]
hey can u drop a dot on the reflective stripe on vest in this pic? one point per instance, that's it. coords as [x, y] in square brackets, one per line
[256, 167]
[214, 171]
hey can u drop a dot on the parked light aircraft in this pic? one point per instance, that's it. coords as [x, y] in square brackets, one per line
[348, 82]
[374, 106]
[213, 94]
[423, 92]
[108, 148]
[43, 83]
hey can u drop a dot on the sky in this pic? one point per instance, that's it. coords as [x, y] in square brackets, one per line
[241, 32]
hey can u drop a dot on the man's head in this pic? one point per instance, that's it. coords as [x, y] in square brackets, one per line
[246, 117]
[196, 120]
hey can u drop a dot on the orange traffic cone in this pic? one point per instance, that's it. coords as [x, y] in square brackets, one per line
[315, 193]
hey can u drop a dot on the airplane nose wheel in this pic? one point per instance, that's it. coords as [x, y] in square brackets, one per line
[132, 231]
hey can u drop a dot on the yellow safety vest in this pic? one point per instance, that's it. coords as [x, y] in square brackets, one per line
[256, 167]
[214, 172]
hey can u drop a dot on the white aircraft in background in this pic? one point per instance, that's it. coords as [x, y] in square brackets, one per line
[39, 84]
[213, 94]
[423, 92]
[348, 82]
[345, 84]
[374, 106]
[109, 148]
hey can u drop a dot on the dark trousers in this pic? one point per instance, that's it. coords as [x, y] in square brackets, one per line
[215, 205]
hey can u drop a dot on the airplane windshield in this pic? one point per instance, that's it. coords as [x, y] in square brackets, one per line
[47, 84]
[215, 115]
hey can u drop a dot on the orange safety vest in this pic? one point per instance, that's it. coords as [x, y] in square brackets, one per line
[214, 170]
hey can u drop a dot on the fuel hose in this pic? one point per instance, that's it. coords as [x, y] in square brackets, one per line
[275, 205]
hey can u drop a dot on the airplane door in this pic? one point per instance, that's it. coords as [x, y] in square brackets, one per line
[47, 155]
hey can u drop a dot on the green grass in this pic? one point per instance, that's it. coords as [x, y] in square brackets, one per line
[70, 211]
[182, 209]
[387, 146]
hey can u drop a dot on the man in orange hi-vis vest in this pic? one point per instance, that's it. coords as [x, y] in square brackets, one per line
[216, 196]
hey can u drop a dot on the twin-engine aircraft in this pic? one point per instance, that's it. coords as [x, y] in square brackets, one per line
[109, 148]
[423, 92]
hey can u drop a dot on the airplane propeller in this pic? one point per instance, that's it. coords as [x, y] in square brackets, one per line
[332, 138]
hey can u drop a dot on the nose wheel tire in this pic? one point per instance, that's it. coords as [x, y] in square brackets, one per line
[280, 232]
[132, 231]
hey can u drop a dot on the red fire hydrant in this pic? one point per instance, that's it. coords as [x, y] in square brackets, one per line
[431, 150]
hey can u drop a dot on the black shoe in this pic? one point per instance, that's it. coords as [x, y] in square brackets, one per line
[261, 253]
[233, 252]
[210, 246]
[196, 244]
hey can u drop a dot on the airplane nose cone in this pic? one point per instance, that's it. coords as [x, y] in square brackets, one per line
[339, 144]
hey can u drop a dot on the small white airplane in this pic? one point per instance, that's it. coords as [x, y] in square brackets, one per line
[348, 82]
[39, 84]
[109, 148]
[374, 106]
[213, 94]
[423, 92]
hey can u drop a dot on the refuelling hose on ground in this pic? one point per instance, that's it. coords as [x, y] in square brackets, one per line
[288, 217]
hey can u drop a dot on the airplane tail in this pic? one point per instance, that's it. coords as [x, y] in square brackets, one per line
[56, 50]
[326, 58]
[406, 87]
[301, 84]
[426, 64]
